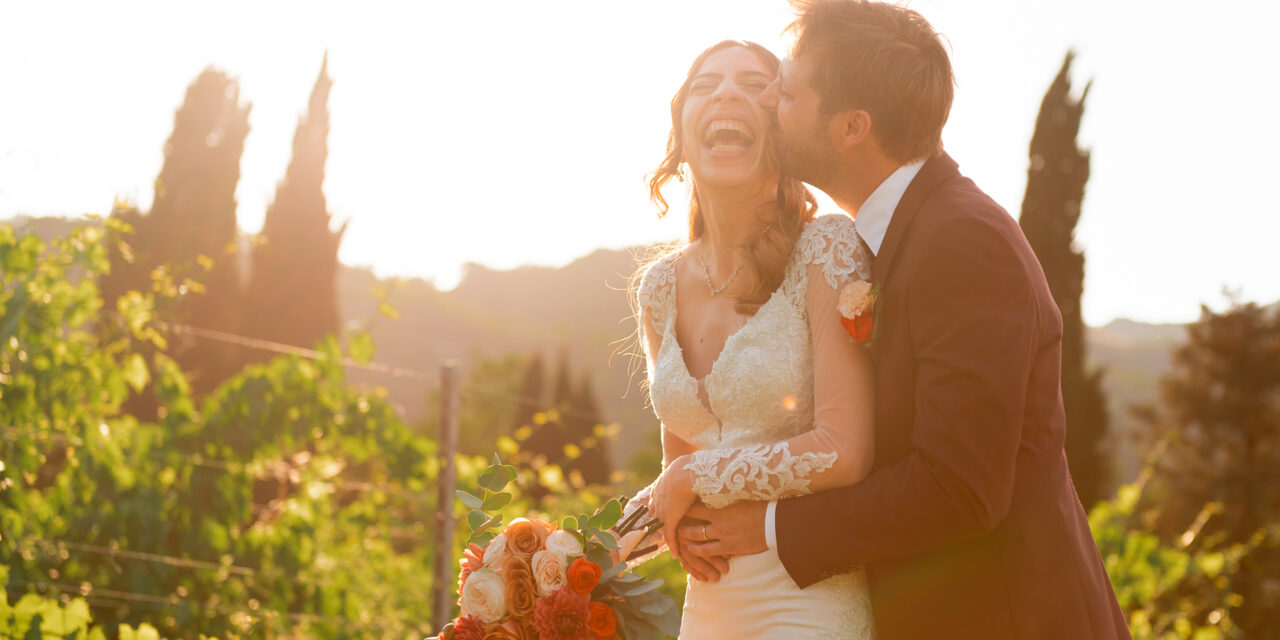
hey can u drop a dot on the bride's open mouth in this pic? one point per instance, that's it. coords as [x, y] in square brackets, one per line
[728, 137]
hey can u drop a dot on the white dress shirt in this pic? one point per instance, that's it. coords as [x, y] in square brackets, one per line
[872, 223]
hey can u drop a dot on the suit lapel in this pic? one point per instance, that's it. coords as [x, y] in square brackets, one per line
[934, 172]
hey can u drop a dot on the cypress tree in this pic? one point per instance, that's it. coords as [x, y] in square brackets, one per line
[562, 397]
[545, 442]
[1050, 210]
[584, 428]
[530, 400]
[191, 228]
[292, 296]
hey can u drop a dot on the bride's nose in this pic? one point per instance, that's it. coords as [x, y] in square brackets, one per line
[728, 91]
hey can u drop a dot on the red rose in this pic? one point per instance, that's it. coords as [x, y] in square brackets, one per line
[583, 576]
[562, 616]
[601, 619]
[468, 628]
[859, 327]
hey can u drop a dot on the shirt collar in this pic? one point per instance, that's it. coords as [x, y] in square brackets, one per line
[872, 221]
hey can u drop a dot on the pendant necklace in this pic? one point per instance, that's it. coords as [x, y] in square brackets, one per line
[706, 273]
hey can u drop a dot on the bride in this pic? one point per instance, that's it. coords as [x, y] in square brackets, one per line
[761, 392]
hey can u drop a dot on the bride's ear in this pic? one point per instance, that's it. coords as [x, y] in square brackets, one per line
[850, 128]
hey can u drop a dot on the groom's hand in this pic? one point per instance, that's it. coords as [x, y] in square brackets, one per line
[736, 530]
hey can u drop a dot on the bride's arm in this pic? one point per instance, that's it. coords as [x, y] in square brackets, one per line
[838, 451]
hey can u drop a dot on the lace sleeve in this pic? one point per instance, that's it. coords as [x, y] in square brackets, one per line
[654, 298]
[832, 243]
[838, 451]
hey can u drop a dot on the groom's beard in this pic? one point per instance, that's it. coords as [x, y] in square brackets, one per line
[809, 158]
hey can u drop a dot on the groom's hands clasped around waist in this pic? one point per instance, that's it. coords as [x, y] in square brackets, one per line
[710, 536]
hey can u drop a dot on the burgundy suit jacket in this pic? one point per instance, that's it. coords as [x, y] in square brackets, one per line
[969, 525]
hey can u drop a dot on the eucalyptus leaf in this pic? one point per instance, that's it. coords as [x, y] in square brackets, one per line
[613, 571]
[607, 539]
[496, 478]
[569, 523]
[476, 519]
[492, 479]
[610, 514]
[642, 629]
[669, 622]
[492, 522]
[651, 606]
[496, 501]
[582, 523]
[601, 557]
[640, 588]
[471, 501]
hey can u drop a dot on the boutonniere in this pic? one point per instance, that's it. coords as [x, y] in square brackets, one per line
[857, 303]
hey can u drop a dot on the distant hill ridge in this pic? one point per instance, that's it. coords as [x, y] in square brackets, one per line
[583, 309]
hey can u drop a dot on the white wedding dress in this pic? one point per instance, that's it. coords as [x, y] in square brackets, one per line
[759, 434]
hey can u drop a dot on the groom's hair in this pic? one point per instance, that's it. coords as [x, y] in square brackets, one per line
[883, 59]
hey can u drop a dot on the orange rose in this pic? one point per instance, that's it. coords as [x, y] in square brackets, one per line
[601, 619]
[528, 630]
[525, 536]
[505, 631]
[859, 327]
[520, 592]
[583, 575]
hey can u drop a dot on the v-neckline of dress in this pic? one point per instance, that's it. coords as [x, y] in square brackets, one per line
[702, 385]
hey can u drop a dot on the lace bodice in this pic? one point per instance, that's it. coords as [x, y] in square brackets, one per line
[760, 390]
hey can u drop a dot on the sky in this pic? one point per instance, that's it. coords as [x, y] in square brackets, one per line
[511, 132]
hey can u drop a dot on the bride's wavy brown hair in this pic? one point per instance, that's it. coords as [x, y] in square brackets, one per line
[767, 251]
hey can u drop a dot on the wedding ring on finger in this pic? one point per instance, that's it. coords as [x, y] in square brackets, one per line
[704, 534]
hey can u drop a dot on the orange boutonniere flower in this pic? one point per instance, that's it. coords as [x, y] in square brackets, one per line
[857, 302]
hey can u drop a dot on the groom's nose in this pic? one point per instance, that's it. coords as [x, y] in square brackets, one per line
[768, 98]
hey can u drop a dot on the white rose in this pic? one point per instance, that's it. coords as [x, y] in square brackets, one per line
[549, 571]
[495, 553]
[483, 597]
[564, 542]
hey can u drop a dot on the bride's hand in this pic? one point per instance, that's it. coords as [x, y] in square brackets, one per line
[672, 496]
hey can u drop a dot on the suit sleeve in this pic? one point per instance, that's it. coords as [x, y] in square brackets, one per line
[972, 323]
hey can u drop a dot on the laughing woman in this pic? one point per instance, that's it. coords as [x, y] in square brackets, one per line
[761, 392]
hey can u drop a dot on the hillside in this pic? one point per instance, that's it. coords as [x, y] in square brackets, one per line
[582, 309]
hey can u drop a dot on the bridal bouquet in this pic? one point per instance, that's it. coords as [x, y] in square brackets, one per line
[533, 580]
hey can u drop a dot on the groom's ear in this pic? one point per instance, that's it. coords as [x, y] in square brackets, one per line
[850, 128]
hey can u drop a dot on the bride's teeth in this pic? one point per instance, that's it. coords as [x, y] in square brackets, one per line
[737, 126]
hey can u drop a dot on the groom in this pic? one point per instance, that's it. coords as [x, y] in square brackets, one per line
[969, 526]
